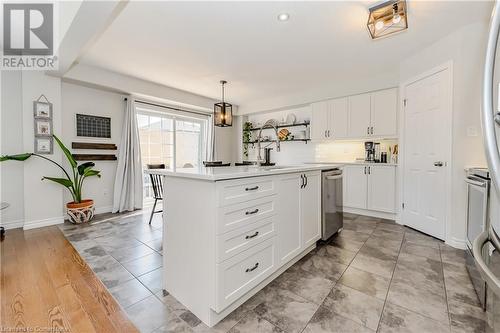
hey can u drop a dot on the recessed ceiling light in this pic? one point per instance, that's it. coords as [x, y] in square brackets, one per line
[283, 17]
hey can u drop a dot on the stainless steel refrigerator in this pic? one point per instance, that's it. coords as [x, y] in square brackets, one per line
[486, 246]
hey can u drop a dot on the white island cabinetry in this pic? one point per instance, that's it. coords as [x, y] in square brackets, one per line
[225, 239]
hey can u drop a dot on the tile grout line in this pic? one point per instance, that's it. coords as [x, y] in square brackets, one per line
[444, 285]
[337, 281]
[390, 283]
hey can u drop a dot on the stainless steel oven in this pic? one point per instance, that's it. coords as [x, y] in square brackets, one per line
[478, 185]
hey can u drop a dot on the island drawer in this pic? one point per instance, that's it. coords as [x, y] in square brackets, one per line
[239, 274]
[239, 215]
[241, 190]
[241, 239]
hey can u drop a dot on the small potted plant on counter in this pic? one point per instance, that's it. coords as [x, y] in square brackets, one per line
[79, 210]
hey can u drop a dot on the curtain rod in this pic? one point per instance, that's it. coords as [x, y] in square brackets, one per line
[172, 108]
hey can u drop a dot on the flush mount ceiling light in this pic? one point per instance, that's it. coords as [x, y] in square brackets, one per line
[223, 112]
[283, 17]
[387, 18]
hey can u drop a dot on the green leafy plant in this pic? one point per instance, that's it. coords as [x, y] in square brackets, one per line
[247, 135]
[73, 183]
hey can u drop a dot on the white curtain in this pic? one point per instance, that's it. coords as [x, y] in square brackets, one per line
[211, 146]
[128, 181]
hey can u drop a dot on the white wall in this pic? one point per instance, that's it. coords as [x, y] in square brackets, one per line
[11, 142]
[43, 200]
[84, 100]
[465, 48]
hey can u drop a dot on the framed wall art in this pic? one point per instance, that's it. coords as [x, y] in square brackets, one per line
[42, 114]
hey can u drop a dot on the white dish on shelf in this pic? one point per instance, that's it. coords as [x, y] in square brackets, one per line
[291, 118]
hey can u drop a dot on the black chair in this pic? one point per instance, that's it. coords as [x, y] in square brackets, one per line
[157, 183]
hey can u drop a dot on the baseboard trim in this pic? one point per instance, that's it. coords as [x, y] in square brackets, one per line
[456, 243]
[12, 224]
[372, 213]
[43, 223]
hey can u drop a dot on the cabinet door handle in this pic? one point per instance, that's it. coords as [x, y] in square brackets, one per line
[253, 268]
[369, 170]
[368, 130]
[252, 236]
[252, 188]
[325, 133]
[328, 133]
[305, 177]
[372, 130]
[255, 211]
[301, 181]
[365, 170]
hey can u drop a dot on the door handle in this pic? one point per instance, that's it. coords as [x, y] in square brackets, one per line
[305, 177]
[369, 170]
[255, 211]
[302, 181]
[365, 170]
[477, 246]
[325, 133]
[438, 164]
[368, 130]
[372, 129]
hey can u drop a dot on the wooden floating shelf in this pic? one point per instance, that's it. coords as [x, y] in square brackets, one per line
[262, 141]
[92, 145]
[281, 126]
[94, 157]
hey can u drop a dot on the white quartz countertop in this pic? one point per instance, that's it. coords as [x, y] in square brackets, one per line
[225, 173]
[357, 163]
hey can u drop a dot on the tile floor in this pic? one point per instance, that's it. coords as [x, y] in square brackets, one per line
[374, 276]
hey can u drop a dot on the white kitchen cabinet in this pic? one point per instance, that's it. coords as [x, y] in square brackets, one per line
[319, 120]
[300, 213]
[339, 118]
[359, 116]
[310, 206]
[384, 107]
[370, 187]
[355, 185]
[381, 188]
[289, 242]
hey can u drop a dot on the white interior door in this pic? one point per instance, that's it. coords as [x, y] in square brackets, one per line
[427, 149]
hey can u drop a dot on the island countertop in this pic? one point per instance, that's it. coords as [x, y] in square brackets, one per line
[225, 173]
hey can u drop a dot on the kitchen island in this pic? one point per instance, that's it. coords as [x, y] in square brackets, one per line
[229, 231]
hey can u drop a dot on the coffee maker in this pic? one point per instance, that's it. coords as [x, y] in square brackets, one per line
[369, 151]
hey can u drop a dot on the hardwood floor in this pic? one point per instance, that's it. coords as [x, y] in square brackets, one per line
[46, 286]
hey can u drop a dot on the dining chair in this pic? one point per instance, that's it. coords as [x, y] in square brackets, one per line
[157, 183]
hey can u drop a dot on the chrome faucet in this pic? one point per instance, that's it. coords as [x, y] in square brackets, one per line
[271, 123]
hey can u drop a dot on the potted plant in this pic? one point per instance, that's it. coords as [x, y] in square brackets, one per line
[79, 210]
[247, 135]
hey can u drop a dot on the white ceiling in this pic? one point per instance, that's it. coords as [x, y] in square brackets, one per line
[192, 45]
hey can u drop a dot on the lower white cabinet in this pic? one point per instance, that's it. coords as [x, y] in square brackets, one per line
[371, 187]
[300, 213]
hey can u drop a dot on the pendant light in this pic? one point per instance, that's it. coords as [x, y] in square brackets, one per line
[387, 18]
[223, 112]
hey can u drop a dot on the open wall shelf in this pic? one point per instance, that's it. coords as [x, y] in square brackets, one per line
[263, 141]
[283, 126]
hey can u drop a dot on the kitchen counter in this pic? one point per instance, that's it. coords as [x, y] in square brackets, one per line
[356, 163]
[226, 173]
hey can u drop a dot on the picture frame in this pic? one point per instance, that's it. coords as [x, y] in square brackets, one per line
[42, 110]
[43, 127]
[44, 145]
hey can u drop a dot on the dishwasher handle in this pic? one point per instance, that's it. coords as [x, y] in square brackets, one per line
[334, 177]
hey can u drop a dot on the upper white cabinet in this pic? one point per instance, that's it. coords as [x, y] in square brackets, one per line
[320, 119]
[370, 187]
[384, 109]
[359, 116]
[354, 117]
[339, 117]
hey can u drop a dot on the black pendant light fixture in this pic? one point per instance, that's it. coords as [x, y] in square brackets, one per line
[223, 112]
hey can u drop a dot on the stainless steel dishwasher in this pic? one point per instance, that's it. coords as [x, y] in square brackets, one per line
[332, 217]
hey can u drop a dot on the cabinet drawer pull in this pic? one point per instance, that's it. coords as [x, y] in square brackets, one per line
[255, 211]
[252, 236]
[252, 188]
[253, 268]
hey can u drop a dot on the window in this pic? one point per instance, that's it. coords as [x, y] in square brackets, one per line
[177, 140]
